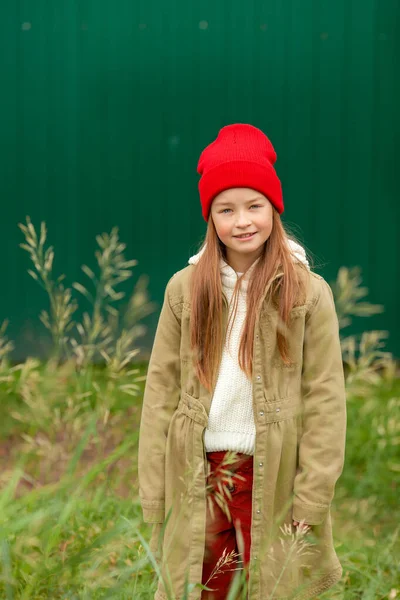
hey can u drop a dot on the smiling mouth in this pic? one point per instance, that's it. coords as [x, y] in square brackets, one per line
[245, 234]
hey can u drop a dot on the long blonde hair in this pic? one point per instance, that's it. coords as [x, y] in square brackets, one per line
[206, 322]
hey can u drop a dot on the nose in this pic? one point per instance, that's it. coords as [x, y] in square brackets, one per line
[243, 220]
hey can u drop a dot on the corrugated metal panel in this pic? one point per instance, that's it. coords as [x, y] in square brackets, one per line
[106, 107]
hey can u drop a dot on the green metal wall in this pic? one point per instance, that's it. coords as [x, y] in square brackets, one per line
[105, 107]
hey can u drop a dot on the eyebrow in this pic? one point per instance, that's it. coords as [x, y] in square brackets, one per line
[226, 203]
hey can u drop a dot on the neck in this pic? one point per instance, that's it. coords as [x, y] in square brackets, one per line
[241, 262]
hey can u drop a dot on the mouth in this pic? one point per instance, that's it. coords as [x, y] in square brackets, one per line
[246, 235]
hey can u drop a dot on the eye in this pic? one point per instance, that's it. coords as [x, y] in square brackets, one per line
[256, 205]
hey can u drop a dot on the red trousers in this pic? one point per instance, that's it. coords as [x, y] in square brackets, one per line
[223, 534]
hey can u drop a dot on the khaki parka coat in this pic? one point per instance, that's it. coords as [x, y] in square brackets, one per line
[300, 420]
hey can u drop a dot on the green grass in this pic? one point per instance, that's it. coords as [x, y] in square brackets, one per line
[70, 519]
[69, 510]
[367, 508]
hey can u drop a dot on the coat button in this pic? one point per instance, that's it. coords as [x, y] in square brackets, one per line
[260, 464]
[261, 413]
[258, 511]
[278, 409]
[258, 377]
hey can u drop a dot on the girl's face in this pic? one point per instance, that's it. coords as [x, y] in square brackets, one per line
[237, 211]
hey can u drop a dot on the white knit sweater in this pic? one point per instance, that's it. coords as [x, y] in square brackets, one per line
[231, 420]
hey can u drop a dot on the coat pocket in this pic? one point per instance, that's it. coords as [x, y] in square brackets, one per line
[184, 489]
[184, 435]
[280, 409]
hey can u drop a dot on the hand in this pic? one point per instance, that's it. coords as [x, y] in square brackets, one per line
[302, 525]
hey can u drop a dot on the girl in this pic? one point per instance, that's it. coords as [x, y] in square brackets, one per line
[243, 426]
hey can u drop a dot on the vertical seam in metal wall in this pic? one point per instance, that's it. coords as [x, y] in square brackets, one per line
[344, 122]
[314, 120]
[285, 103]
[372, 249]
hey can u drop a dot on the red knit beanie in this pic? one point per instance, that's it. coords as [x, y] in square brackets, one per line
[241, 156]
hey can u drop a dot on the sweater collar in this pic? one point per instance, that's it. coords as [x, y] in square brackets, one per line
[229, 276]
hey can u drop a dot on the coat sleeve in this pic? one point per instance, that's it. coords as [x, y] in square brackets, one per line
[160, 399]
[322, 445]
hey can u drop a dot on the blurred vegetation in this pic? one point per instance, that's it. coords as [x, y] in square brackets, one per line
[70, 518]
